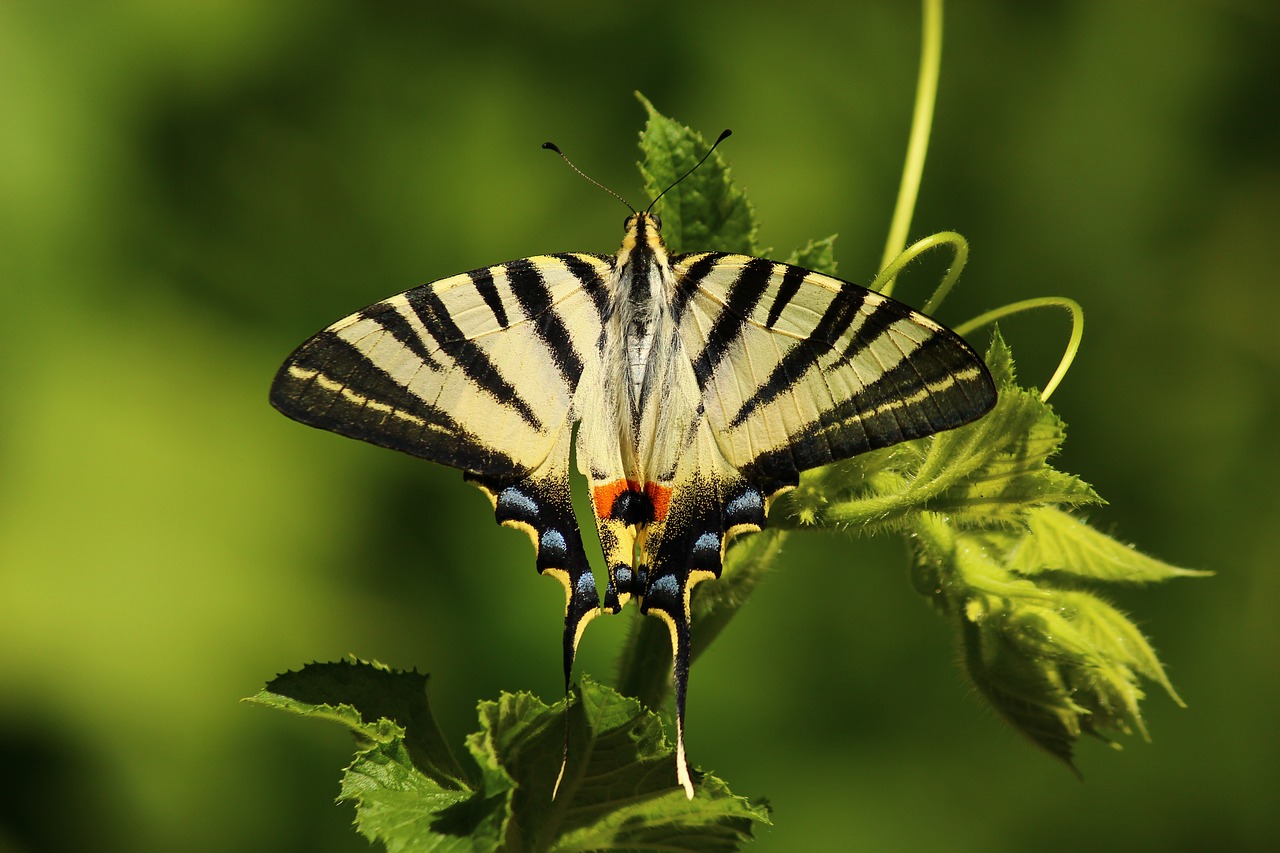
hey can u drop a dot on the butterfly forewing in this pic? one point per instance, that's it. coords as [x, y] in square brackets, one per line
[817, 369]
[476, 371]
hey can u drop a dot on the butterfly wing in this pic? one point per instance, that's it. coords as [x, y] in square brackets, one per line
[794, 369]
[797, 369]
[476, 371]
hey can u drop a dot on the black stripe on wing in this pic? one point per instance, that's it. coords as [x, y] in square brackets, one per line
[787, 290]
[592, 282]
[483, 280]
[743, 296]
[940, 385]
[468, 355]
[390, 318]
[531, 292]
[691, 281]
[330, 384]
[835, 320]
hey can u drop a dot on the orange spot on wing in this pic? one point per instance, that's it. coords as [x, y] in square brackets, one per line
[660, 497]
[604, 496]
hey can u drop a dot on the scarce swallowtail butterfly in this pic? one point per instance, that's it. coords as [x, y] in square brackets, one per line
[701, 385]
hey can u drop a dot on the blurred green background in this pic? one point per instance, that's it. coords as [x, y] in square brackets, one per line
[188, 190]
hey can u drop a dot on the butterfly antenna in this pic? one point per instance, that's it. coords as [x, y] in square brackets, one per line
[551, 146]
[724, 134]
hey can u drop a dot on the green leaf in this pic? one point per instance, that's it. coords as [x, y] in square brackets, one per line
[377, 704]
[620, 780]
[1055, 661]
[817, 255]
[410, 792]
[1011, 473]
[1059, 663]
[399, 805]
[705, 211]
[996, 549]
[618, 791]
[1062, 543]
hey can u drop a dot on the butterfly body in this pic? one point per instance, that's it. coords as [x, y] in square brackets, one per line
[701, 385]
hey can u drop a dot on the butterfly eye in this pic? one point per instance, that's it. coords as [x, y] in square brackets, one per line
[657, 221]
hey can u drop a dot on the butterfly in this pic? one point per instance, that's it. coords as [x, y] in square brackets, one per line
[700, 385]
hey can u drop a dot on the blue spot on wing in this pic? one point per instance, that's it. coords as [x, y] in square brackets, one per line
[748, 502]
[515, 504]
[708, 543]
[553, 544]
[668, 585]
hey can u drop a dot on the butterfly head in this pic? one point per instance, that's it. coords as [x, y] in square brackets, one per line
[654, 221]
[643, 233]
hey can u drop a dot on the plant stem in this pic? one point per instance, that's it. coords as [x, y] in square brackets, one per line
[1073, 344]
[918, 143]
[644, 671]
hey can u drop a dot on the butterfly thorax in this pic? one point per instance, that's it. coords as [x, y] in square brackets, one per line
[642, 359]
[642, 275]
